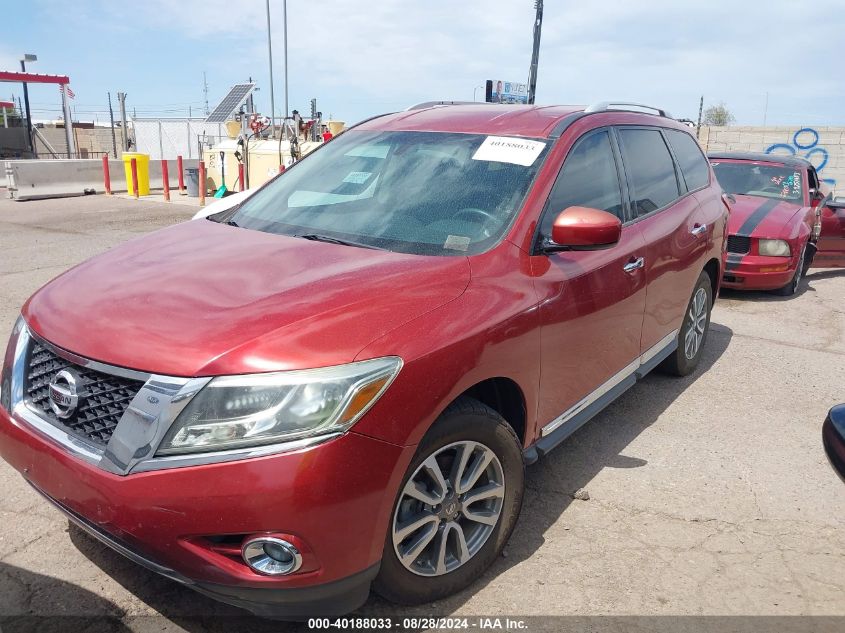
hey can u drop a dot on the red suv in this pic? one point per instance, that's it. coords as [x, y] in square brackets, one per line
[338, 383]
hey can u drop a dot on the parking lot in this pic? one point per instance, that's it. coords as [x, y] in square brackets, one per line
[708, 495]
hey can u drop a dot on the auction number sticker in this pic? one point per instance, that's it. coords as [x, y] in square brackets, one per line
[506, 149]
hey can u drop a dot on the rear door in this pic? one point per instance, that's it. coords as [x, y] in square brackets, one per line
[669, 216]
[591, 302]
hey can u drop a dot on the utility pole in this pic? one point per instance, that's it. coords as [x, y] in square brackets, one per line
[121, 100]
[270, 56]
[700, 111]
[205, 92]
[29, 140]
[535, 54]
[111, 119]
[285, 19]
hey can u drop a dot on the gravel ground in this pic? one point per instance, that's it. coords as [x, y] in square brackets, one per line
[708, 495]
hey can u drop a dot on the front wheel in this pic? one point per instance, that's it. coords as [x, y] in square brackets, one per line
[693, 332]
[457, 506]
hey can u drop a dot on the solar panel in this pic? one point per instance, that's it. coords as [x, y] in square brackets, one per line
[231, 102]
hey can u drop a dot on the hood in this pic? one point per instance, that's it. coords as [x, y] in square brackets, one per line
[202, 298]
[760, 217]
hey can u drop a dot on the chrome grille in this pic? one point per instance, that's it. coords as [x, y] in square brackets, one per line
[103, 397]
[739, 244]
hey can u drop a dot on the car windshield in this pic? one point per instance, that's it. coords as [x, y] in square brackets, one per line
[752, 179]
[427, 193]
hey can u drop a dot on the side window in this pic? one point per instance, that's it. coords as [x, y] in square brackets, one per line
[589, 178]
[813, 180]
[690, 159]
[651, 172]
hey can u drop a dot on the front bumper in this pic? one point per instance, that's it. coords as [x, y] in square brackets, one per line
[758, 272]
[333, 500]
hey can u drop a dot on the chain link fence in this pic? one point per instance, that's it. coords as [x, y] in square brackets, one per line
[169, 138]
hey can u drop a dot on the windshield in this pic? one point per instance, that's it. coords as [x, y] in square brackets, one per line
[413, 192]
[769, 181]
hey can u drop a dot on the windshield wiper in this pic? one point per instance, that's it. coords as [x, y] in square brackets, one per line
[317, 237]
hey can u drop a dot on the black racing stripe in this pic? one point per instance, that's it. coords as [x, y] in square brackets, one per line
[753, 220]
[734, 260]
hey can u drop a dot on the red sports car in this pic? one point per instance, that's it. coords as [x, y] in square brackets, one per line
[778, 226]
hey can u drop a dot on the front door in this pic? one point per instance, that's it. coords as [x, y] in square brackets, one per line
[831, 244]
[591, 302]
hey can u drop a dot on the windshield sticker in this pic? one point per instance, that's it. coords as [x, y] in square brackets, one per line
[505, 149]
[357, 177]
[790, 186]
[456, 243]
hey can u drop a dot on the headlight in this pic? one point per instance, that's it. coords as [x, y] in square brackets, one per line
[775, 248]
[257, 409]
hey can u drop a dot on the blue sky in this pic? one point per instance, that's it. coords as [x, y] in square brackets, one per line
[361, 58]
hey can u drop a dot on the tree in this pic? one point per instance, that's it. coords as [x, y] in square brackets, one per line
[718, 115]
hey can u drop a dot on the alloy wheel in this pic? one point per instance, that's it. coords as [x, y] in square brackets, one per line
[696, 323]
[448, 508]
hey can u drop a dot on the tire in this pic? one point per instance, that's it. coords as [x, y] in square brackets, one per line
[680, 362]
[465, 427]
[790, 289]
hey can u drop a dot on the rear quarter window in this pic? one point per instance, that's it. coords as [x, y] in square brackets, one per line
[650, 169]
[690, 159]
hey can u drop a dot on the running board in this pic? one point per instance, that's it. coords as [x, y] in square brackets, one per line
[556, 431]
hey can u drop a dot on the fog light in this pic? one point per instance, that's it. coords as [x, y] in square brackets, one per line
[271, 556]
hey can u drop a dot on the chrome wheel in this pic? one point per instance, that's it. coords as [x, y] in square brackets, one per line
[448, 508]
[696, 324]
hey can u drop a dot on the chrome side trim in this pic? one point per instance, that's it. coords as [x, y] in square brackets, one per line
[589, 399]
[658, 347]
[612, 382]
[110, 542]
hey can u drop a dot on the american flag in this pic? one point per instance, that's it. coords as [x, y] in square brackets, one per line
[70, 93]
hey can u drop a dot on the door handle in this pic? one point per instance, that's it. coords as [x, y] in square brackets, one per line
[633, 265]
[699, 229]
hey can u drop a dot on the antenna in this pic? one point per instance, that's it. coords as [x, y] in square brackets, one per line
[205, 91]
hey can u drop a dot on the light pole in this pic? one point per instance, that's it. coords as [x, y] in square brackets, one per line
[28, 57]
[285, 19]
[272, 96]
[474, 91]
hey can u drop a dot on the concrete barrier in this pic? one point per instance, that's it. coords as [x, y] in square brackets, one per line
[36, 179]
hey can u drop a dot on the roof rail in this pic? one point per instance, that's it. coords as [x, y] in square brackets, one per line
[610, 105]
[429, 104]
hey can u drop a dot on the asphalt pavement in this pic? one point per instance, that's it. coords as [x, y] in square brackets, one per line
[708, 495]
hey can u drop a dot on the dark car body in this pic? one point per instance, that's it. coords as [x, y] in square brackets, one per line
[544, 338]
[833, 438]
[780, 216]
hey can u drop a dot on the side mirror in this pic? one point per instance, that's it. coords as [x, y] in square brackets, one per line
[583, 229]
